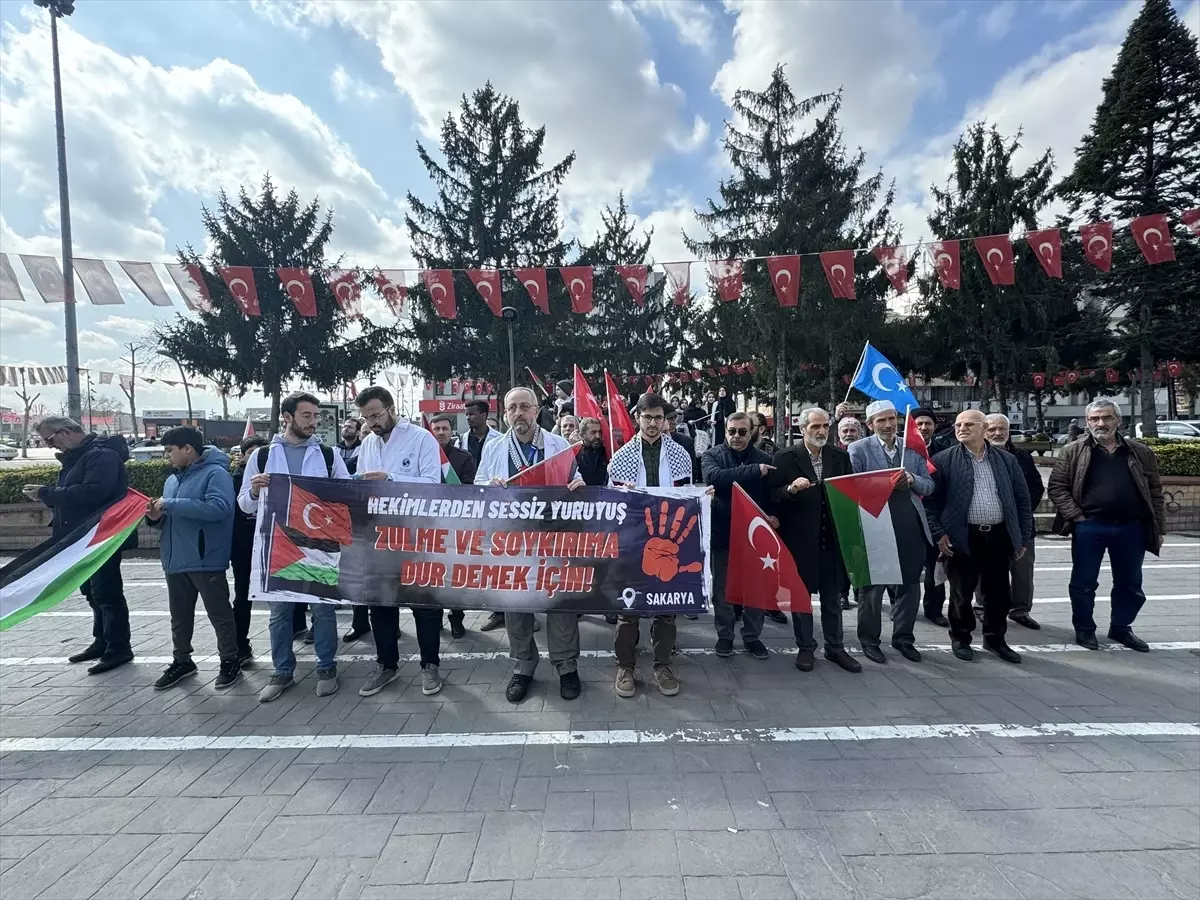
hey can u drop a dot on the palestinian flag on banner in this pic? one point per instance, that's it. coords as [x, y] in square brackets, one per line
[449, 476]
[859, 504]
[50, 572]
[292, 562]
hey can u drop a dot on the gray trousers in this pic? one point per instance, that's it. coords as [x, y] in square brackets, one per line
[562, 639]
[213, 590]
[724, 616]
[905, 604]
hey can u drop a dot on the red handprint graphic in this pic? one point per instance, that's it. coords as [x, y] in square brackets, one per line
[660, 558]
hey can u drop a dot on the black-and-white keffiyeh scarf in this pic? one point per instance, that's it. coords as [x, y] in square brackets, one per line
[518, 456]
[627, 466]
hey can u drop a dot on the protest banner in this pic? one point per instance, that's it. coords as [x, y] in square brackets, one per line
[593, 550]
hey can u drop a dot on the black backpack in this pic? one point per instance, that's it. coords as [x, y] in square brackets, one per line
[326, 452]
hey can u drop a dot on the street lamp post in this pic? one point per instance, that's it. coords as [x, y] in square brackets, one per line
[187, 393]
[509, 314]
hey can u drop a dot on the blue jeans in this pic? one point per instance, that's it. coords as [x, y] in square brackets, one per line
[1126, 546]
[324, 636]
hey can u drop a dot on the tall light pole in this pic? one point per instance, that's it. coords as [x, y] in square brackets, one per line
[509, 314]
[186, 391]
[58, 9]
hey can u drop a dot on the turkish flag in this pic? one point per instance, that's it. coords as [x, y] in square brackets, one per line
[586, 404]
[315, 518]
[634, 279]
[1153, 236]
[914, 441]
[440, 284]
[240, 281]
[762, 572]
[785, 278]
[553, 471]
[839, 272]
[679, 281]
[620, 424]
[298, 286]
[1174, 368]
[1191, 218]
[487, 282]
[390, 283]
[346, 291]
[1060, 380]
[534, 282]
[1097, 244]
[1112, 376]
[997, 255]
[895, 266]
[578, 280]
[189, 279]
[1047, 246]
[947, 257]
[728, 277]
[1039, 379]
[1072, 377]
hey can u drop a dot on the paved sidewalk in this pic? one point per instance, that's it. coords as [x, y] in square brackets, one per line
[1075, 774]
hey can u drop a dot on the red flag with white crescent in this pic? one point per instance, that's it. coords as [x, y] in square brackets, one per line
[346, 291]
[727, 273]
[390, 284]
[534, 282]
[440, 284]
[1047, 247]
[619, 421]
[1039, 380]
[586, 404]
[1097, 244]
[1174, 368]
[1072, 376]
[762, 571]
[785, 278]
[1191, 218]
[997, 254]
[839, 272]
[1153, 236]
[189, 281]
[679, 281]
[487, 282]
[298, 286]
[240, 281]
[946, 256]
[1112, 376]
[634, 279]
[578, 280]
[895, 266]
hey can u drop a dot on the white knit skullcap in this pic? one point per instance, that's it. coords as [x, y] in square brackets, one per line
[879, 406]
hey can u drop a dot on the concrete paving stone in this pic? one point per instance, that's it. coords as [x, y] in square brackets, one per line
[930, 878]
[600, 853]
[1164, 827]
[77, 816]
[611, 811]
[175, 776]
[710, 887]
[726, 853]
[650, 887]
[1058, 876]
[256, 879]
[493, 787]
[452, 861]
[765, 887]
[99, 867]
[20, 795]
[719, 759]
[1156, 874]
[451, 787]
[656, 805]
[813, 864]
[180, 882]
[468, 890]
[141, 874]
[315, 797]
[567, 888]
[19, 846]
[405, 789]
[241, 825]
[569, 812]
[405, 859]
[45, 864]
[508, 846]
[335, 879]
[1144, 788]
[530, 793]
[293, 837]
[174, 815]
[89, 783]
[221, 775]
[438, 823]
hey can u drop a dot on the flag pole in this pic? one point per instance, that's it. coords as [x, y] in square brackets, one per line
[903, 441]
[854, 377]
[609, 401]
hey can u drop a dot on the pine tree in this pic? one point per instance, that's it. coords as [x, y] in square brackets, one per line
[1142, 156]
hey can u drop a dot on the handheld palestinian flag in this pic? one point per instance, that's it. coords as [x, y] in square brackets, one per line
[292, 562]
[449, 476]
[863, 521]
[50, 572]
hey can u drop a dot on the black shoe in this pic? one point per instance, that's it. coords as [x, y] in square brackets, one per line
[777, 617]
[757, 649]
[845, 603]
[1026, 621]
[308, 636]
[1001, 649]
[229, 675]
[689, 616]
[458, 629]
[93, 651]
[978, 610]
[908, 651]
[494, 621]
[843, 659]
[962, 651]
[938, 619]
[804, 660]
[108, 663]
[518, 688]
[245, 656]
[611, 619]
[174, 674]
[569, 685]
[1126, 637]
[299, 633]
[724, 647]
[1087, 639]
[354, 634]
[874, 654]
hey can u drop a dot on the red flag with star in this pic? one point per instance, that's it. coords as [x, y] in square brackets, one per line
[556, 470]
[1047, 246]
[318, 519]
[762, 572]
[1153, 236]
[997, 254]
[1097, 244]
[578, 280]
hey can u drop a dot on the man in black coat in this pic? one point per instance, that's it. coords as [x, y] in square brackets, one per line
[1020, 570]
[684, 439]
[807, 530]
[592, 459]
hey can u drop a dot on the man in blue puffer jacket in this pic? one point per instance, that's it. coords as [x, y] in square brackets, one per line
[195, 513]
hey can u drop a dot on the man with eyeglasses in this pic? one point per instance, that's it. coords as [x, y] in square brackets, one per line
[526, 445]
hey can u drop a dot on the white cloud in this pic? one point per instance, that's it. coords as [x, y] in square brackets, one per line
[998, 20]
[693, 141]
[347, 87]
[124, 327]
[669, 224]
[20, 326]
[693, 21]
[93, 341]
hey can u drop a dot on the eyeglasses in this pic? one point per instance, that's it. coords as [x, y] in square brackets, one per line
[737, 432]
[651, 420]
[378, 417]
[519, 407]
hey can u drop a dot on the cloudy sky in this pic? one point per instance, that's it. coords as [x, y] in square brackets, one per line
[166, 103]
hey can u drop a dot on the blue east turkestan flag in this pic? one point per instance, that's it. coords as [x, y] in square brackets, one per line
[880, 380]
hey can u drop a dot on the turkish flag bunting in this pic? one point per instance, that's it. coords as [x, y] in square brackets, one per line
[1191, 218]
[785, 278]
[620, 424]
[1060, 380]
[1097, 244]
[487, 282]
[440, 284]
[390, 283]
[578, 280]
[839, 272]
[346, 291]
[679, 281]
[192, 287]
[751, 368]
[1153, 236]
[634, 279]
[553, 471]
[534, 281]
[895, 266]
[240, 281]
[1112, 376]
[317, 519]
[1174, 368]
[914, 441]
[762, 572]
[1072, 377]
[586, 404]
[724, 370]
[997, 255]
[1039, 379]
[946, 257]
[739, 368]
[298, 286]
[727, 274]
[1047, 246]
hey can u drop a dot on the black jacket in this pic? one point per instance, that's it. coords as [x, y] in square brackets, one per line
[92, 477]
[804, 521]
[954, 486]
[722, 469]
[943, 439]
[243, 524]
[593, 466]
[462, 462]
[686, 441]
[1033, 480]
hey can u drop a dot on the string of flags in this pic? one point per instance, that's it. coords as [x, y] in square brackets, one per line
[1152, 233]
[16, 376]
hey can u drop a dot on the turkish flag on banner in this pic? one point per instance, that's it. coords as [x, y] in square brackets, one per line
[679, 281]
[318, 519]
[298, 286]
[1097, 244]
[1060, 380]
[578, 280]
[895, 266]
[785, 278]
[739, 368]
[487, 282]
[728, 277]
[997, 255]
[1191, 218]
[946, 256]
[1047, 246]
[189, 281]
[98, 282]
[553, 471]
[1153, 236]
[440, 284]
[620, 424]
[1072, 376]
[839, 272]
[762, 572]
[142, 274]
[1112, 376]
[914, 441]
[240, 281]
[1174, 368]
[390, 283]
[1039, 380]
[346, 291]
[534, 282]
[634, 279]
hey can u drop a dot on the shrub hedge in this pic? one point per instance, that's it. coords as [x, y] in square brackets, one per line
[147, 476]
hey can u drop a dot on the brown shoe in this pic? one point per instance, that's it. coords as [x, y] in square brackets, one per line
[625, 686]
[667, 682]
[494, 621]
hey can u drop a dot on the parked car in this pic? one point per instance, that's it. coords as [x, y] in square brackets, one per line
[1175, 429]
[148, 449]
[7, 451]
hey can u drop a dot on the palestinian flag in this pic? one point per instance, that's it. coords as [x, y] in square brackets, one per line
[859, 504]
[292, 562]
[449, 476]
[52, 571]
